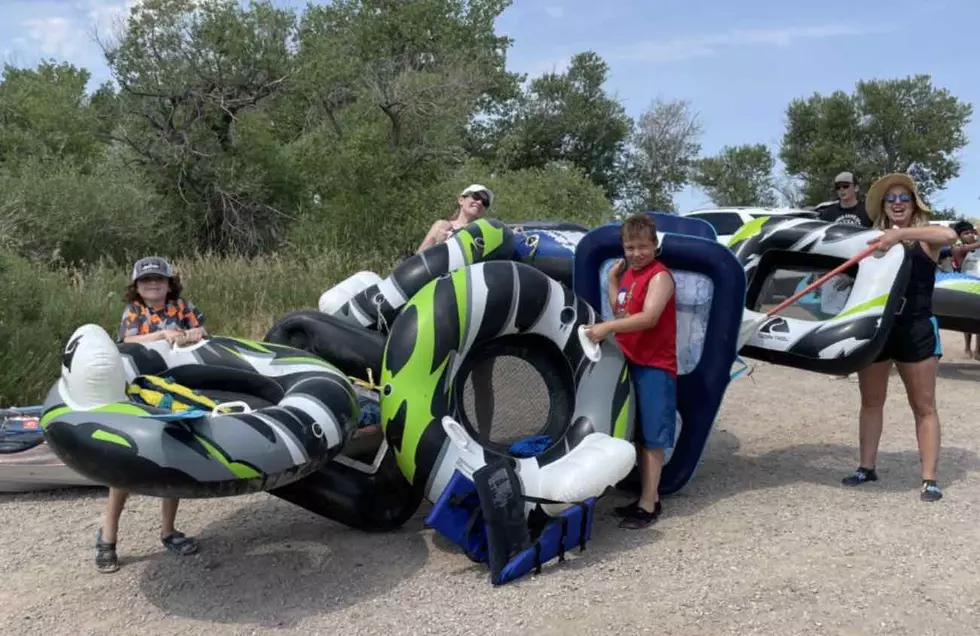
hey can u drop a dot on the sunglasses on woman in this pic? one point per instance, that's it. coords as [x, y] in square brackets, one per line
[892, 198]
[481, 197]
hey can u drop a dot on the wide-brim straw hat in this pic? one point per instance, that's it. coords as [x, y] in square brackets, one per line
[877, 193]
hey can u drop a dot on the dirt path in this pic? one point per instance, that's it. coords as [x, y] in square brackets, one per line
[763, 541]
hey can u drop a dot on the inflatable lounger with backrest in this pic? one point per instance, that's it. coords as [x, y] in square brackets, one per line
[710, 288]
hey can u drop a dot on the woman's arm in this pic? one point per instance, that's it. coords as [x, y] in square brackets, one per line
[436, 235]
[934, 235]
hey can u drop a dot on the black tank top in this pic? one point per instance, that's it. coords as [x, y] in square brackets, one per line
[918, 292]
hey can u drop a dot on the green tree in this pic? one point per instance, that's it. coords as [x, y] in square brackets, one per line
[738, 176]
[379, 108]
[895, 125]
[194, 78]
[46, 114]
[663, 150]
[426, 67]
[565, 117]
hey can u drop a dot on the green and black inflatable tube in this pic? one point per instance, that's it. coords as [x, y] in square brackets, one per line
[377, 306]
[477, 313]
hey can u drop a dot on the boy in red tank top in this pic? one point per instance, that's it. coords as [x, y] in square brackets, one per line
[641, 291]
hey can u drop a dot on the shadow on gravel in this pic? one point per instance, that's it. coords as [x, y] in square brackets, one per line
[963, 371]
[725, 473]
[273, 564]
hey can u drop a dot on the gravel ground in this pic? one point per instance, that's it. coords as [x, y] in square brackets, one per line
[764, 540]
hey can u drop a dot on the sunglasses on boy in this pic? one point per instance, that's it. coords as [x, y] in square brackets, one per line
[892, 198]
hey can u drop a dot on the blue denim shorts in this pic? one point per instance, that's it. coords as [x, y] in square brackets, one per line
[656, 407]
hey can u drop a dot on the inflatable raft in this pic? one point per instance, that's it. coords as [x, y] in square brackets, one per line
[283, 415]
[844, 329]
[464, 314]
[956, 298]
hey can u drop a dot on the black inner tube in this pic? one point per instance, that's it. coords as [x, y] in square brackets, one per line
[546, 359]
[349, 347]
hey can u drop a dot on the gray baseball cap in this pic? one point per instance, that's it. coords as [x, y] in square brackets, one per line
[152, 266]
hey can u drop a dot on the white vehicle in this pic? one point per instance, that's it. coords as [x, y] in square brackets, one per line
[726, 221]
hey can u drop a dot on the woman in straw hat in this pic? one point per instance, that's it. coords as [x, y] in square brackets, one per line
[894, 205]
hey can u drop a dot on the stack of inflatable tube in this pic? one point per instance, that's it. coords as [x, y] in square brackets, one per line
[294, 413]
[351, 333]
[854, 335]
[440, 322]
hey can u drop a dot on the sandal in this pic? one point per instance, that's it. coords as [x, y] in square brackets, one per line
[627, 510]
[106, 559]
[179, 543]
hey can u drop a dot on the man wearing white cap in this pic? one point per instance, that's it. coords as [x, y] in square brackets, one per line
[848, 208]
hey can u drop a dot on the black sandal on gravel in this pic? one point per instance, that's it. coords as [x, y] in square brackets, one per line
[640, 518]
[627, 510]
[860, 476]
[930, 491]
[105, 555]
[180, 544]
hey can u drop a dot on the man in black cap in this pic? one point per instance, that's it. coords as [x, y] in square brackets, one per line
[848, 209]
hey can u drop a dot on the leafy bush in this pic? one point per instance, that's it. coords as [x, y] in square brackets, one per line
[558, 192]
[57, 213]
[379, 220]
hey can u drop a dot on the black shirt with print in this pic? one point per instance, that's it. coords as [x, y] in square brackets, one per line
[856, 215]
